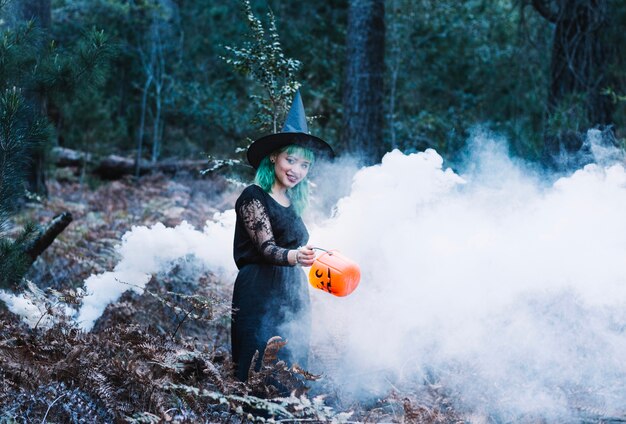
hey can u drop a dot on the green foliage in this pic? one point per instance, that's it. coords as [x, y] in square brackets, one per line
[570, 114]
[76, 77]
[616, 89]
[13, 261]
[456, 66]
[98, 118]
[207, 101]
[315, 33]
[615, 97]
[53, 75]
[19, 50]
[450, 66]
[261, 57]
[17, 136]
[206, 108]
[29, 60]
[85, 65]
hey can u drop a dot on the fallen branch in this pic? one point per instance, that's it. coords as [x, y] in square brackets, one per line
[68, 157]
[114, 167]
[47, 235]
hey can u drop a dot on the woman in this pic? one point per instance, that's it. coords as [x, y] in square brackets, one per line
[270, 297]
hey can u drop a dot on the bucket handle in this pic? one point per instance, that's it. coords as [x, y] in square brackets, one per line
[323, 250]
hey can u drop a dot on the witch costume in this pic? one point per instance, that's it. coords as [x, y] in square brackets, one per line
[270, 296]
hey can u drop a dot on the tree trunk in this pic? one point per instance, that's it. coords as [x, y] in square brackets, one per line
[363, 111]
[579, 58]
[578, 71]
[40, 12]
[144, 101]
[159, 79]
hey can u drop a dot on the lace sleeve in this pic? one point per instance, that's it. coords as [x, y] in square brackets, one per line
[259, 228]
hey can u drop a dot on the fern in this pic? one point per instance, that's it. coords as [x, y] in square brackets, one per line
[292, 408]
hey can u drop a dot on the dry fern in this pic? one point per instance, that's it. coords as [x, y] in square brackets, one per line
[280, 409]
[275, 378]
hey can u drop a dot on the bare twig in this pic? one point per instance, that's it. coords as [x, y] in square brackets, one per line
[50, 407]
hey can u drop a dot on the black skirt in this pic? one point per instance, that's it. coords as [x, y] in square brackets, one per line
[269, 299]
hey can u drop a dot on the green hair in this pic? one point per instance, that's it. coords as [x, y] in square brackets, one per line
[265, 176]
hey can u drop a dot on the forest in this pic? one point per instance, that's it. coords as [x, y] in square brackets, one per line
[480, 149]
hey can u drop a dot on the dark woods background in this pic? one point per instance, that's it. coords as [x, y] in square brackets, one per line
[148, 78]
[162, 81]
[143, 84]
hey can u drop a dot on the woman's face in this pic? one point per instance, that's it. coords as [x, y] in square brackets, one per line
[290, 169]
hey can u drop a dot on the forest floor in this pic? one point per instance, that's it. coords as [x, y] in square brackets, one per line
[160, 356]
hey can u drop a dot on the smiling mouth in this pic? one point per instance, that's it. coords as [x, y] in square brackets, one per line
[292, 179]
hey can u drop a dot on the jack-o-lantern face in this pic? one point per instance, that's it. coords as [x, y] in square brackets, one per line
[335, 274]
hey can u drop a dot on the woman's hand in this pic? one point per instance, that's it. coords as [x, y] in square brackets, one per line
[305, 255]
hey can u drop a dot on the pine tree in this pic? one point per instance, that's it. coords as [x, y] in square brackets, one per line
[30, 63]
[17, 136]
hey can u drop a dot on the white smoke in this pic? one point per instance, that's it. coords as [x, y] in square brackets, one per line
[507, 289]
[37, 308]
[505, 286]
[32, 314]
[149, 250]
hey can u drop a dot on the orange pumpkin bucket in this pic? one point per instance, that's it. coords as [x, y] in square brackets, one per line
[334, 273]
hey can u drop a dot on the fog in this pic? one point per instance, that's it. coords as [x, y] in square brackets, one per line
[503, 285]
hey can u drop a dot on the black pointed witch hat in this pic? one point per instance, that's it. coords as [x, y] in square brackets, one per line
[295, 131]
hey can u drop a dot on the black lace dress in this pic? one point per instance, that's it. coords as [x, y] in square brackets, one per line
[270, 297]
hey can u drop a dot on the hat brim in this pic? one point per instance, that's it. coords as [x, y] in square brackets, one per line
[270, 143]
